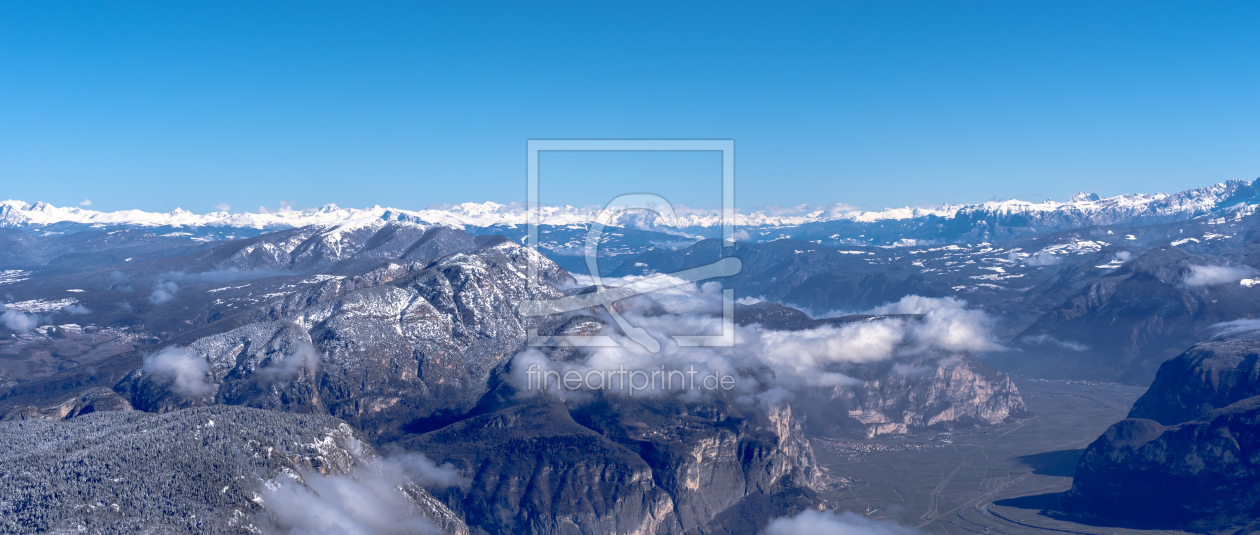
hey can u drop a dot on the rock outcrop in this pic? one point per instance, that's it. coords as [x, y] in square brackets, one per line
[910, 396]
[1206, 377]
[1202, 475]
[1188, 456]
[617, 465]
[87, 402]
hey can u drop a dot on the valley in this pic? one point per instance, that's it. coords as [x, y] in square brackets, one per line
[981, 481]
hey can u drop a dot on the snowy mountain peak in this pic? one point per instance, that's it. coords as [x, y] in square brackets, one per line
[1082, 208]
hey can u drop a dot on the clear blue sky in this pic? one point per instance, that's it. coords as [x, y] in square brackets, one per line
[154, 105]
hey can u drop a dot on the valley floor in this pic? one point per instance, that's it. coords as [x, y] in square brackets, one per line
[950, 483]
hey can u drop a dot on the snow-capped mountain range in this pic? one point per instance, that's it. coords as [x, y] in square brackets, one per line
[822, 224]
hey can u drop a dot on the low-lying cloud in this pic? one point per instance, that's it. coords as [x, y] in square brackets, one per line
[187, 373]
[1245, 326]
[920, 327]
[370, 501]
[811, 522]
[120, 280]
[1214, 275]
[20, 321]
[219, 275]
[1045, 339]
[1042, 258]
[305, 357]
[76, 310]
[426, 473]
[163, 292]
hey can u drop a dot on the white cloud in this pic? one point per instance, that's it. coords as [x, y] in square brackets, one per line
[223, 207]
[85, 202]
[1213, 275]
[163, 292]
[947, 324]
[305, 357]
[1044, 339]
[20, 322]
[76, 310]
[427, 473]
[1237, 327]
[809, 357]
[219, 275]
[811, 522]
[1042, 258]
[369, 501]
[187, 373]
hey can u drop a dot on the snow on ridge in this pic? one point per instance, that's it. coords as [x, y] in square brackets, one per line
[35, 306]
[1192, 202]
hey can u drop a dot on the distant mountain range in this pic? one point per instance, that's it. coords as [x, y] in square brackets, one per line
[821, 224]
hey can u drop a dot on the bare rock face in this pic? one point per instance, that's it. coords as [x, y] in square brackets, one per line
[204, 470]
[897, 398]
[1208, 376]
[1202, 475]
[538, 471]
[620, 465]
[87, 402]
[708, 454]
[1194, 437]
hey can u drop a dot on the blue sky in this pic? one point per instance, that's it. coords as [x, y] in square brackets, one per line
[154, 105]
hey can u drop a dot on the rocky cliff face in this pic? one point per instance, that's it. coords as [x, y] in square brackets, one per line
[1206, 377]
[898, 398]
[87, 402]
[617, 465]
[1188, 456]
[1202, 475]
[538, 471]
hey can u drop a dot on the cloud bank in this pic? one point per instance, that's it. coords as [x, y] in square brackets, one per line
[427, 473]
[811, 357]
[1214, 275]
[306, 357]
[219, 275]
[1245, 326]
[811, 522]
[19, 321]
[163, 292]
[370, 501]
[1042, 258]
[187, 373]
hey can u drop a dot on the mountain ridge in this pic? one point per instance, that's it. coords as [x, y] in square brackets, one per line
[1082, 208]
